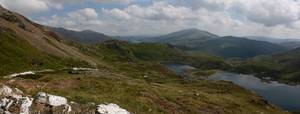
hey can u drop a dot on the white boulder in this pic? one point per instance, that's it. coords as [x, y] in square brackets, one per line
[53, 100]
[57, 100]
[12, 97]
[5, 91]
[111, 109]
[41, 98]
[26, 102]
[84, 69]
[5, 103]
[67, 108]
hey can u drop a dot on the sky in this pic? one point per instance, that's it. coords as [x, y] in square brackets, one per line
[270, 18]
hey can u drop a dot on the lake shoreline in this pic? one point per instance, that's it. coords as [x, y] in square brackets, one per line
[272, 91]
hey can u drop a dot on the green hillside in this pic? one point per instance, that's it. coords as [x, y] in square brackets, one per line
[143, 51]
[134, 78]
[17, 55]
[229, 47]
[87, 36]
[121, 51]
[282, 67]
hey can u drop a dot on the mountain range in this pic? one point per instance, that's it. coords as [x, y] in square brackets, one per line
[188, 37]
[86, 36]
[198, 41]
[193, 41]
[288, 43]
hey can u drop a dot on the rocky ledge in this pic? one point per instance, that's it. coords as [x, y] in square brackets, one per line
[14, 101]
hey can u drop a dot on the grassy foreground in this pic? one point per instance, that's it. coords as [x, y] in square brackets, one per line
[149, 88]
[132, 77]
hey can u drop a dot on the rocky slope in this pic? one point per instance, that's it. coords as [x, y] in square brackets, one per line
[36, 35]
[27, 45]
[14, 101]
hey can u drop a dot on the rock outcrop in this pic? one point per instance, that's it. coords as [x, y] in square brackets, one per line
[110, 109]
[26, 103]
[13, 98]
[54, 101]
[14, 101]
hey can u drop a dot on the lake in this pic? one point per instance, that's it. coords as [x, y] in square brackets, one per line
[179, 68]
[282, 95]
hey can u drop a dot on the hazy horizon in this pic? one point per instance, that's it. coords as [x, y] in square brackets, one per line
[277, 18]
[162, 34]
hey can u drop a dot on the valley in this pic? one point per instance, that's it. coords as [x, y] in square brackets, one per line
[90, 68]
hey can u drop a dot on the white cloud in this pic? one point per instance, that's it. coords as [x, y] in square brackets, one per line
[157, 11]
[117, 13]
[86, 14]
[225, 17]
[76, 1]
[58, 4]
[82, 18]
[163, 17]
[25, 7]
[30, 7]
[269, 13]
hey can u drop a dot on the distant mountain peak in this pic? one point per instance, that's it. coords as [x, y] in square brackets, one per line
[85, 36]
[187, 36]
[88, 31]
[191, 29]
[196, 32]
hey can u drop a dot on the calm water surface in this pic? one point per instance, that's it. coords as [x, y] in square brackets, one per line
[179, 68]
[282, 95]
